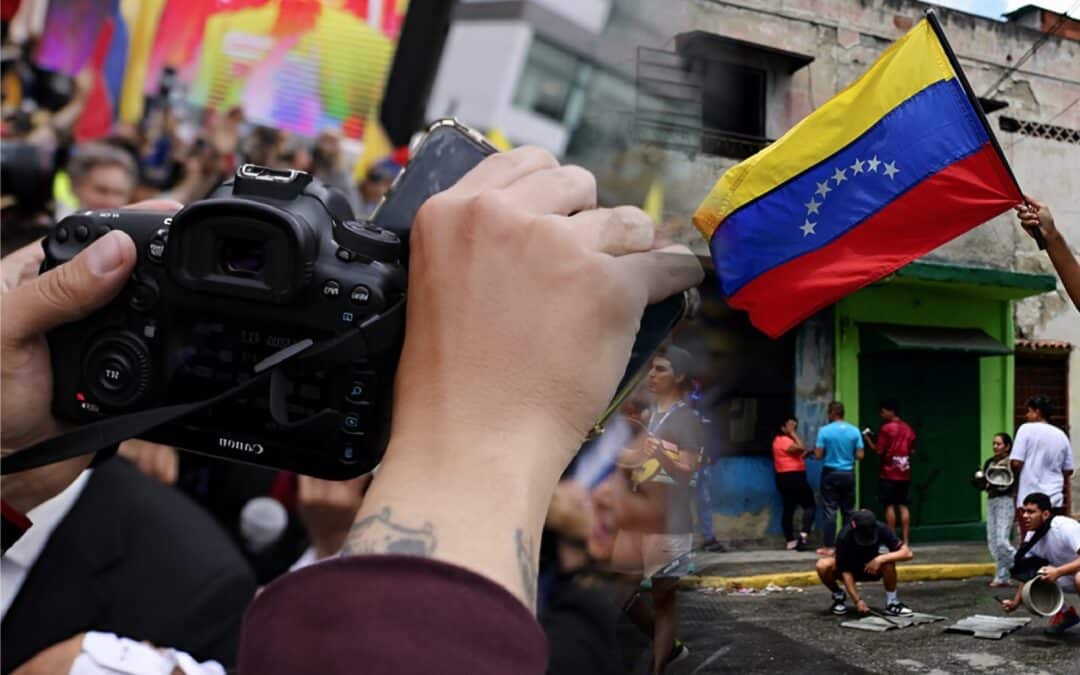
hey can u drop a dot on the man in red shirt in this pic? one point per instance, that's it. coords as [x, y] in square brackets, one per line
[895, 445]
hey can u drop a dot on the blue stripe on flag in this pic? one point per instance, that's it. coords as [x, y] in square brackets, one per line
[931, 130]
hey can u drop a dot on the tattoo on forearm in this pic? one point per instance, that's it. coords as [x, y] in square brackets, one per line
[526, 555]
[379, 534]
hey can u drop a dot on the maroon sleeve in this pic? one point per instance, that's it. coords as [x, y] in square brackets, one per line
[389, 614]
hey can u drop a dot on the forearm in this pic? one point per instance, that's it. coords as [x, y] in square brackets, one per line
[902, 555]
[1066, 265]
[486, 521]
[849, 584]
[682, 468]
[1069, 569]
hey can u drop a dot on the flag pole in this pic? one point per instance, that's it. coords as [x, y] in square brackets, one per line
[931, 16]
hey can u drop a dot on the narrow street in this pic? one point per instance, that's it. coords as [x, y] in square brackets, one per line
[792, 632]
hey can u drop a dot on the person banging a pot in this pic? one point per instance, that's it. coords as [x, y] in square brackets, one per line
[1051, 549]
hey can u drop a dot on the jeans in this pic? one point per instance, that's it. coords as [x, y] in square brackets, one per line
[999, 520]
[795, 492]
[703, 499]
[837, 492]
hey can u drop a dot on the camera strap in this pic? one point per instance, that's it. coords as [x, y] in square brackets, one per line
[374, 335]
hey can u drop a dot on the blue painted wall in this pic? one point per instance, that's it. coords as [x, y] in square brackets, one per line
[748, 485]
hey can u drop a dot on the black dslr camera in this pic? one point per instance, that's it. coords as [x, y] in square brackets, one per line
[272, 260]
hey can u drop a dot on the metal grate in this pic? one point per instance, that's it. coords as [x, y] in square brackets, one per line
[668, 110]
[1039, 130]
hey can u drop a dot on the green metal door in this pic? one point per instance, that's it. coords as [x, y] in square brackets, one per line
[938, 396]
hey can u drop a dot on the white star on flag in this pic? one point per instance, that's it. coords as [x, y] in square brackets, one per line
[857, 166]
[823, 188]
[812, 206]
[808, 227]
[873, 164]
[891, 170]
[839, 176]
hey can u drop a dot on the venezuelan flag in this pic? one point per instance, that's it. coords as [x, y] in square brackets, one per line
[890, 168]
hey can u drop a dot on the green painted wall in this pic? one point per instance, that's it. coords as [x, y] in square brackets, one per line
[924, 305]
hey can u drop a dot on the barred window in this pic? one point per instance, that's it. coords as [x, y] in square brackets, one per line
[1039, 130]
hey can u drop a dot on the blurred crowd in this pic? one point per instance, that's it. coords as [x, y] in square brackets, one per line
[176, 152]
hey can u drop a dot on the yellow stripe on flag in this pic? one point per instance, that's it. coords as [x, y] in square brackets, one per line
[142, 18]
[911, 64]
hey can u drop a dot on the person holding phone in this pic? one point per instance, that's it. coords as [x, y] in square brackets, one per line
[789, 460]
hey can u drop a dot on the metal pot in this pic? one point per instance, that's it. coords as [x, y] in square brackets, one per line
[1042, 597]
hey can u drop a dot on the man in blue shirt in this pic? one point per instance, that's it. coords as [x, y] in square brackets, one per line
[840, 444]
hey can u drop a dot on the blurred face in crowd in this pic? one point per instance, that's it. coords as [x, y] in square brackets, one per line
[372, 190]
[887, 415]
[1033, 415]
[105, 186]
[662, 378]
[601, 539]
[790, 427]
[1033, 516]
[999, 445]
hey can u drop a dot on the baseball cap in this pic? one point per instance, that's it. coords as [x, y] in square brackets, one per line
[866, 531]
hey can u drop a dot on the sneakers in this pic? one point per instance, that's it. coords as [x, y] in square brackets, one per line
[1062, 621]
[838, 606]
[898, 609]
[678, 652]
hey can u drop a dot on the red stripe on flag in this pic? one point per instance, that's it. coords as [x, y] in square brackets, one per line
[941, 208]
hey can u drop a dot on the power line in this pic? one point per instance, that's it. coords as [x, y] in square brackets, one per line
[1031, 51]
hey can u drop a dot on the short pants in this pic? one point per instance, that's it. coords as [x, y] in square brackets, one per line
[893, 492]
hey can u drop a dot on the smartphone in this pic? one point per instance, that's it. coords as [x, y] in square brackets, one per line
[448, 151]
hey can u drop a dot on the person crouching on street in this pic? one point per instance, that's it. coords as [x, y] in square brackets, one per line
[1054, 539]
[858, 559]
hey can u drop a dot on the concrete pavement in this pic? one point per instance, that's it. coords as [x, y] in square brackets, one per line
[793, 632]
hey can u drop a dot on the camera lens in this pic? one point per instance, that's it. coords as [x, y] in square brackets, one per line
[242, 257]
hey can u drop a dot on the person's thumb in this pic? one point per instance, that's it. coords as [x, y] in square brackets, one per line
[71, 291]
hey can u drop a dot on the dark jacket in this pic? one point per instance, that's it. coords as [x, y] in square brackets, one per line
[138, 559]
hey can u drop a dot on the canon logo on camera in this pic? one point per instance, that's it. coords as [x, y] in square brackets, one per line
[254, 448]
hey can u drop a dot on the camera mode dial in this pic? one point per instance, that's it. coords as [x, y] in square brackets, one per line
[117, 370]
[367, 240]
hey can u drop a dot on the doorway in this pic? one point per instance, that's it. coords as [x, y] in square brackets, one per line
[938, 395]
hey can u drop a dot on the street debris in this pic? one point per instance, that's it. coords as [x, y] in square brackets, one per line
[988, 627]
[880, 623]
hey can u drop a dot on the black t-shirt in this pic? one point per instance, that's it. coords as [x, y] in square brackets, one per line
[681, 426]
[852, 557]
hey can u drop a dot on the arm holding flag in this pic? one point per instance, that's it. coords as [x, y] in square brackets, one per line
[895, 165]
[1036, 217]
